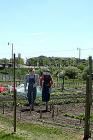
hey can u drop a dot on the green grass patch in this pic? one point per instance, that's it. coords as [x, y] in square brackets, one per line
[30, 131]
[9, 136]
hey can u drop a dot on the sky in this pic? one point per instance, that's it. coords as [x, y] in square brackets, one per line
[46, 27]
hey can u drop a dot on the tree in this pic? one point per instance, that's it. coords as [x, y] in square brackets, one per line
[71, 72]
[19, 61]
[4, 61]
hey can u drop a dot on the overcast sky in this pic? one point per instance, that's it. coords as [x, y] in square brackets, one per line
[46, 27]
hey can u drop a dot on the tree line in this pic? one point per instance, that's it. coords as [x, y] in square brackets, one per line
[72, 68]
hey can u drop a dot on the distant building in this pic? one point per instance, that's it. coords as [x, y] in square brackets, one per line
[19, 55]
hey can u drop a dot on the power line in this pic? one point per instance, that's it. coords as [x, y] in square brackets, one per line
[80, 49]
[87, 49]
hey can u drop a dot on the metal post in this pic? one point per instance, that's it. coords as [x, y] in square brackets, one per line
[12, 54]
[14, 98]
[12, 58]
[79, 49]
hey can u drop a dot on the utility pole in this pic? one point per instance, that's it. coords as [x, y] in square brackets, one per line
[79, 49]
[11, 52]
[12, 55]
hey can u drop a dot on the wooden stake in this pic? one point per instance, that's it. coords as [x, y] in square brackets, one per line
[20, 115]
[53, 111]
[40, 114]
[3, 108]
[50, 107]
[30, 109]
[57, 111]
[46, 106]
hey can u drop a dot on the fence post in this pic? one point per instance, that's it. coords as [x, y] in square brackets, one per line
[3, 108]
[87, 112]
[90, 73]
[53, 111]
[14, 99]
[46, 106]
[87, 133]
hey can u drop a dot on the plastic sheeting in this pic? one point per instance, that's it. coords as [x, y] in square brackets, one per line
[21, 92]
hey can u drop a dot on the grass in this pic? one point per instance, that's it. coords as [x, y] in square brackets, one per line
[9, 136]
[32, 131]
[80, 117]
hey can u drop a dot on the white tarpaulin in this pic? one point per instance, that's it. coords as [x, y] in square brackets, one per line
[21, 92]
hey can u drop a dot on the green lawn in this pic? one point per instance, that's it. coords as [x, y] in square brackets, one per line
[9, 136]
[32, 131]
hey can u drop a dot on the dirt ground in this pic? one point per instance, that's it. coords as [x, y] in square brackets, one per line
[63, 115]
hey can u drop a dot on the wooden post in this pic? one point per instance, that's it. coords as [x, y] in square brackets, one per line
[57, 111]
[50, 107]
[14, 99]
[32, 102]
[87, 133]
[12, 105]
[3, 108]
[63, 82]
[20, 111]
[57, 79]
[53, 111]
[80, 120]
[46, 106]
[87, 112]
[40, 114]
[54, 85]
[90, 81]
[20, 114]
[30, 109]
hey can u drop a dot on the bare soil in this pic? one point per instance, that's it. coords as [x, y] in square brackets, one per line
[63, 115]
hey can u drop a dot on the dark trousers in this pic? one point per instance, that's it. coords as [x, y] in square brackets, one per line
[31, 94]
[45, 94]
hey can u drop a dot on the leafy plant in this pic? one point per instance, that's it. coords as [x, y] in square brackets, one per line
[71, 72]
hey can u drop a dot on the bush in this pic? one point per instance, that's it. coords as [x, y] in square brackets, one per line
[85, 73]
[71, 72]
